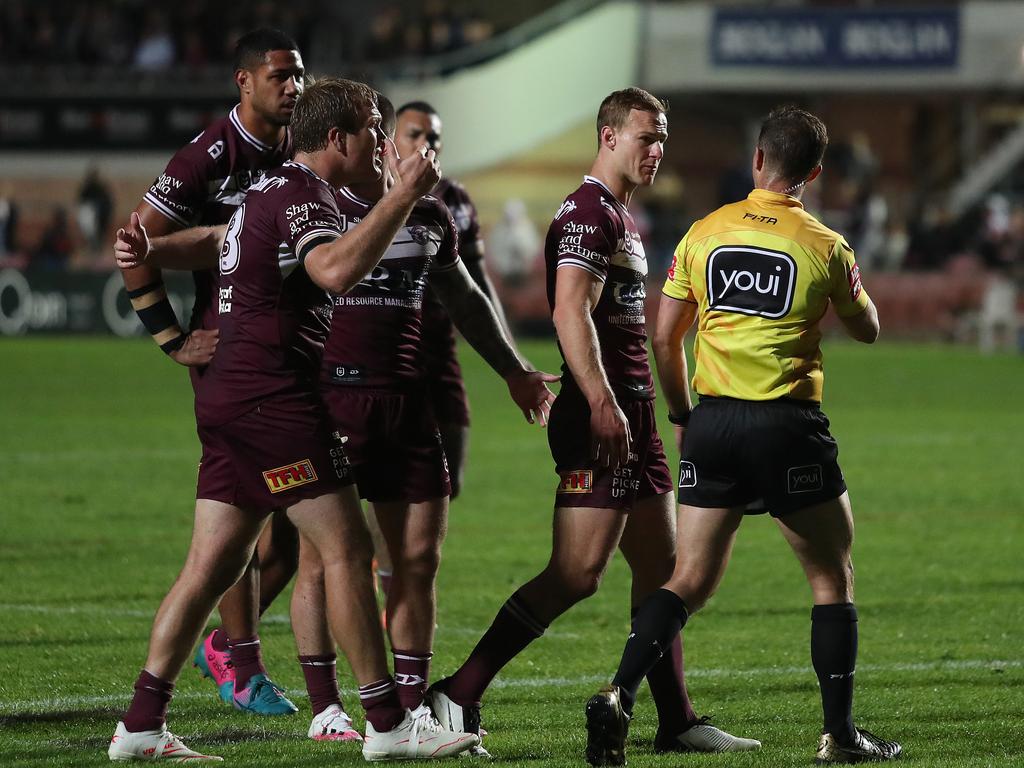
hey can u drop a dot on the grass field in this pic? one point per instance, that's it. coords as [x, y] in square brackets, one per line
[99, 455]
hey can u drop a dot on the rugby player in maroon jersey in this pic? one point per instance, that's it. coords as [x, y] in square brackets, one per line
[264, 427]
[373, 382]
[615, 489]
[202, 185]
[420, 126]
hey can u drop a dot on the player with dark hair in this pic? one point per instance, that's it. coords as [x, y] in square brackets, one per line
[203, 184]
[372, 380]
[615, 489]
[267, 438]
[420, 126]
[757, 276]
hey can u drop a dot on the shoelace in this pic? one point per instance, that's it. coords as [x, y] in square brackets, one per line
[424, 720]
[339, 723]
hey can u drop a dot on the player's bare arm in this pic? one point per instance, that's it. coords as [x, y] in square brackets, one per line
[187, 249]
[674, 319]
[477, 320]
[145, 287]
[864, 325]
[478, 271]
[576, 294]
[339, 265]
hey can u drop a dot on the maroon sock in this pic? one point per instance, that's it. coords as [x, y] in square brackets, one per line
[412, 669]
[246, 659]
[380, 700]
[321, 681]
[514, 628]
[148, 710]
[219, 641]
[668, 689]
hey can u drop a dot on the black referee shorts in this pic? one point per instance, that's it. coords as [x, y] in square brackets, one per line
[776, 455]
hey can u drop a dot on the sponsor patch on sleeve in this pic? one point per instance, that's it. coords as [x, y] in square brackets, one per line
[853, 275]
[290, 476]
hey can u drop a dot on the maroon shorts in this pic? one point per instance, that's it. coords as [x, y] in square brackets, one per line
[278, 454]
[585, 483]
[393, 443]
[444, 374]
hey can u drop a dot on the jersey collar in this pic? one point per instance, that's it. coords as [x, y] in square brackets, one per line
[246, 136]
[774, 198]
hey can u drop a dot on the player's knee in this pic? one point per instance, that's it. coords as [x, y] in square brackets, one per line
[582, 584]
[421, 562]
[695, 586]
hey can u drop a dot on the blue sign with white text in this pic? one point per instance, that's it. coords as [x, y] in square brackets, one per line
[846, 38]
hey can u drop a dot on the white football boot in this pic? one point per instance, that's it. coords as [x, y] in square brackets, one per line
[703, 737]
[418, 736]
[333, 724]
[152, 745]
[457, 718]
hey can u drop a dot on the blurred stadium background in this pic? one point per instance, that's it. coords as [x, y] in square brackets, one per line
[923, 102]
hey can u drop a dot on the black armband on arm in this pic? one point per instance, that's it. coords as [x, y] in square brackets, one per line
[154, 309]
[679, 421]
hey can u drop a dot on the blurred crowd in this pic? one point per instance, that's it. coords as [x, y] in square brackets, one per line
[158, 35]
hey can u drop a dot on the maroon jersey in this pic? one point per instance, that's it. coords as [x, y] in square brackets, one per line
[594, 232]
[438, 331]
[272, 318]
[375, 336]
[205, 182]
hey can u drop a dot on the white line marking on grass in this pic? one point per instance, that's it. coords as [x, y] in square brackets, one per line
[61, 703]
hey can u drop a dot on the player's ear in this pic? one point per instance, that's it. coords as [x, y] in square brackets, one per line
[336, 139]
[814, 174]
[242, 80]
[608, 136]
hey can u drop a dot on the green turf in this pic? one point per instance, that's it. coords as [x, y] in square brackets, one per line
[99, 456]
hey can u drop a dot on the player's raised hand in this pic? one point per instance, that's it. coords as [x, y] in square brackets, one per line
[529, 390]
[198, 348]
[419, 172]
[131, 246]
[610, 438]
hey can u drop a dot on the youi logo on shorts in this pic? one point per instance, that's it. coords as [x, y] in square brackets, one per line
[805, 479]
[751, 281]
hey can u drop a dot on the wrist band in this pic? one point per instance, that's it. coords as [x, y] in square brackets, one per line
[156, 314]
[679, 421]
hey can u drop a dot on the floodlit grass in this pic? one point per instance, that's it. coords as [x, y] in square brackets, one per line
[99, 455]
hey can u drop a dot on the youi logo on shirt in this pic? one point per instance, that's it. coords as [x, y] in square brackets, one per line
[751, 281]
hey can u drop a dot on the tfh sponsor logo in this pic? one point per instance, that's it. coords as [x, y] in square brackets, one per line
[750, 281]
[805, 479]
[687, 475]
[290, 476]
[576, 481]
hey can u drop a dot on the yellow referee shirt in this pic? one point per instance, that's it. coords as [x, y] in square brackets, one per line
[762, 273]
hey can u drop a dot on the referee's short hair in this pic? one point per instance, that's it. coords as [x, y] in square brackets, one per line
[617, 105]
[793, 141]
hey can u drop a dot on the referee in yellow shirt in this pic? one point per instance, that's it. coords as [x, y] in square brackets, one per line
[757, 276]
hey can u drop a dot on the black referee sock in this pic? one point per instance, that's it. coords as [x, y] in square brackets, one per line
[834, 656]
[657, 623]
